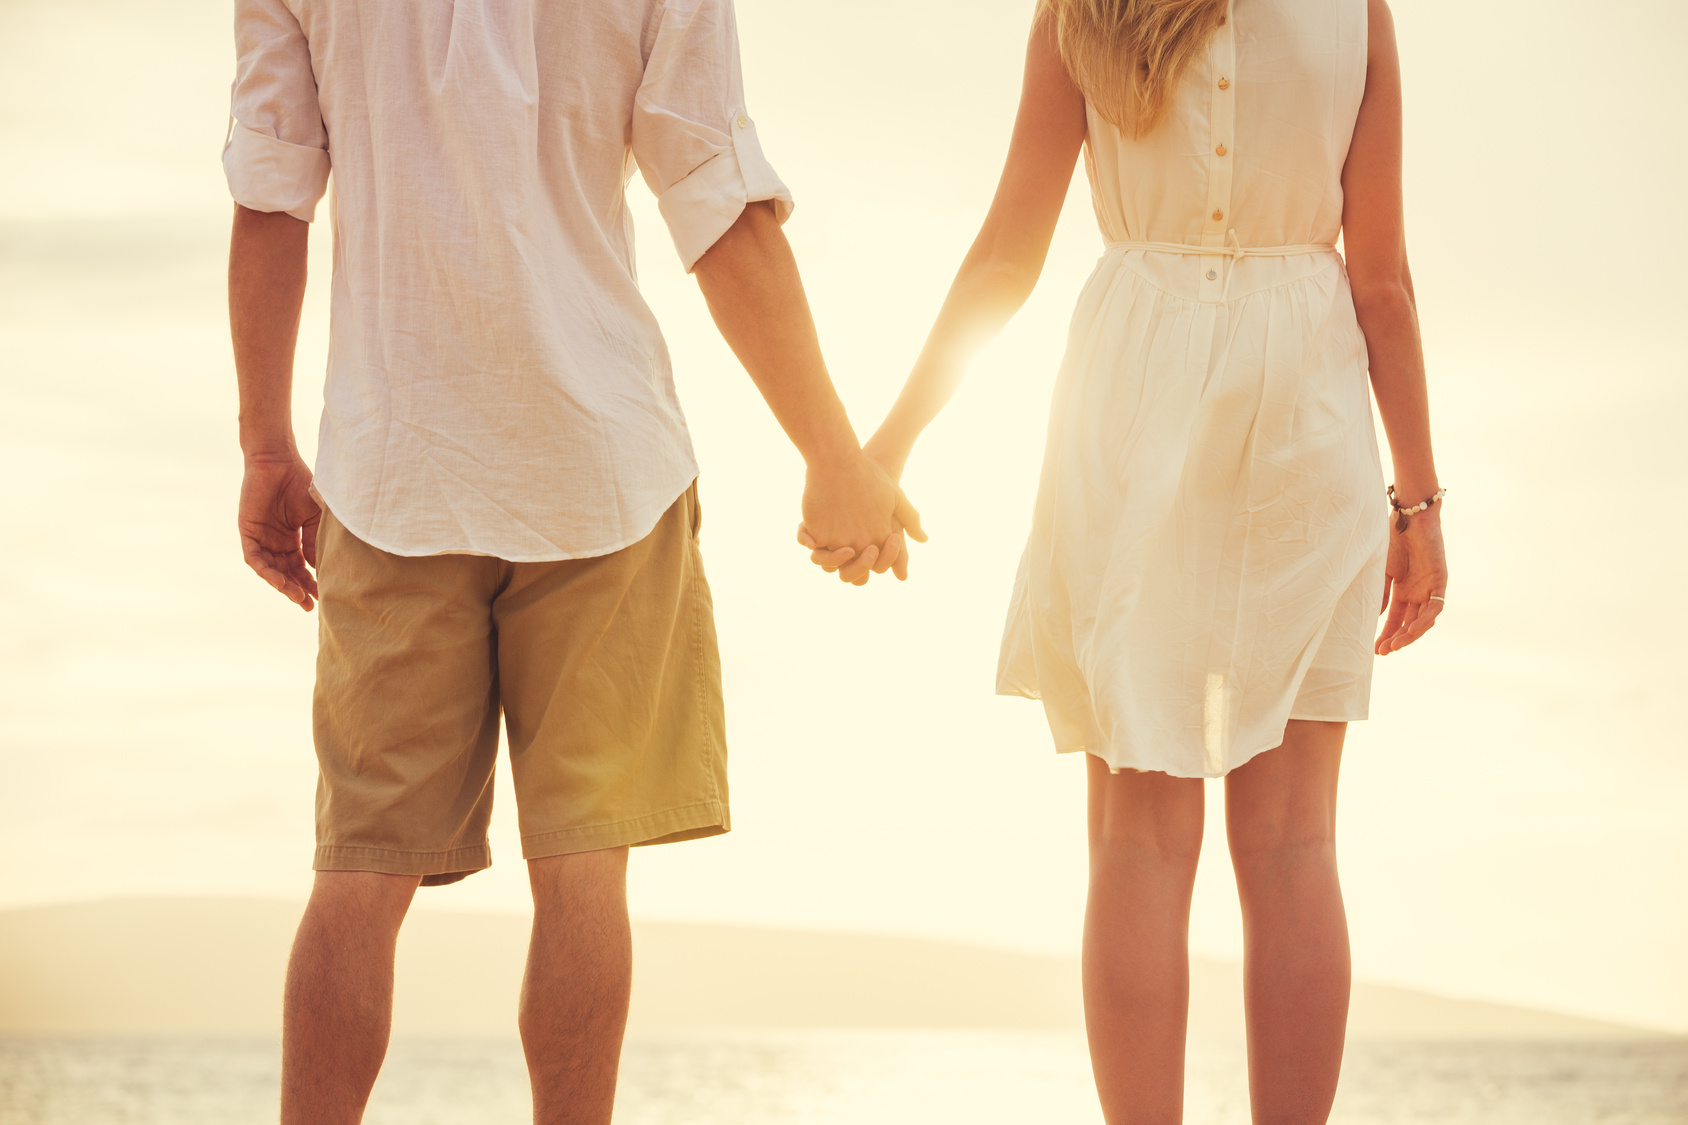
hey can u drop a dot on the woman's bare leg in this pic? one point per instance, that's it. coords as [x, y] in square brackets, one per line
[1145, 838]
[1280, 816]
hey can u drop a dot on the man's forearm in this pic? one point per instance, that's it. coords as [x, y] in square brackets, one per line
[749, 279]
[267, 254]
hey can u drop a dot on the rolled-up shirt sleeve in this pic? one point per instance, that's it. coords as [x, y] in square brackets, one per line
[276, 156]
[692, 137]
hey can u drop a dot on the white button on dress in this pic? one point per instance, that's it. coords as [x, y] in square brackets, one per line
[1206, 554]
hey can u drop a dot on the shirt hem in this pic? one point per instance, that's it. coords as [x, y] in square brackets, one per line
[646, 523]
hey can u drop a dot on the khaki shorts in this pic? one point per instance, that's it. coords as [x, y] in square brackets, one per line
[605, 669]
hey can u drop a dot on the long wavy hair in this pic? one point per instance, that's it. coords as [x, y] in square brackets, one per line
[1127, 56]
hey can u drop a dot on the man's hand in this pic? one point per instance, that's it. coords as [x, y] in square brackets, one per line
[855, 518]
[278, 518]
[278, 525]
[755, 295]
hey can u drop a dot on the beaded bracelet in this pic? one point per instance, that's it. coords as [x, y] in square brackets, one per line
[1417, 508]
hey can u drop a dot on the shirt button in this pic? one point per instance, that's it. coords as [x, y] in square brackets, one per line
[742, 122]
[1224, 83]
[1212, 275]
[1217, 215]
[1220, 150]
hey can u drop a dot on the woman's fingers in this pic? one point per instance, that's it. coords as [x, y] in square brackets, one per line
[830, 560]
[892, 551]
[905, 514]
[1420, 624]
[856, 571]
[1416, 619]
[1392, 623]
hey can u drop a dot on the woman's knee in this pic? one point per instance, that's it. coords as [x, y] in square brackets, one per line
[1284, 800]
[1147, 814]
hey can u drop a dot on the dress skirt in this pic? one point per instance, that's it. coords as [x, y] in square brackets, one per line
[1207, 549]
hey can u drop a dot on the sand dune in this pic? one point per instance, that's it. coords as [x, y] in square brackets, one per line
[215, 965]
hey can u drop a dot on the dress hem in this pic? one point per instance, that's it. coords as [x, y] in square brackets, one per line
[1242, 760]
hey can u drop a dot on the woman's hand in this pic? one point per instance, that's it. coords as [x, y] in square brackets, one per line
[1415, 579]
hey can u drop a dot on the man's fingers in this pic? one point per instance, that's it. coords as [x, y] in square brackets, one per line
[1388, 582]
[907, 516]
[307, 581]
[283, 585]
[806, 539]
[308, 535]
[298, 573]
[285, 571]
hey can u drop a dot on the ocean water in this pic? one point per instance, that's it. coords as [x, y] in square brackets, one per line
[859, 1077]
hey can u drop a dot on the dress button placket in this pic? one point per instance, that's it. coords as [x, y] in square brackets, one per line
[1222, 120]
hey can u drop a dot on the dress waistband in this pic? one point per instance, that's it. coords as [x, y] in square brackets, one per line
[1231, 248]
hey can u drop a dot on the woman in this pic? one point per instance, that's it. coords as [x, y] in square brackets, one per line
[1211, 535]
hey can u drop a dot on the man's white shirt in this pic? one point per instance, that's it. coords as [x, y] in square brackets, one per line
[496, 385]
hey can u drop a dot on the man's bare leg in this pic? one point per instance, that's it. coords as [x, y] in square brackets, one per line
[579, 978]
[339, 999]
[1280, 815]
[1145, 838]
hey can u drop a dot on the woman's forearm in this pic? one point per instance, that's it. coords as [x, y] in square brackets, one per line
[1388, 317]
[1003, 265]
[986, 293]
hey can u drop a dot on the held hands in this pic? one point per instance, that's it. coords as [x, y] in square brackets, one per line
[855, 519]
[278, 526]
[1415, 579]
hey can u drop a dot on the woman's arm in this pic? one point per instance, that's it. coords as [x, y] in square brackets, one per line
[1001, 269]
[1374, 239]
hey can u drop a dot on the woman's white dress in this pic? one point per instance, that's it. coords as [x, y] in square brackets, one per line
[1206, 555]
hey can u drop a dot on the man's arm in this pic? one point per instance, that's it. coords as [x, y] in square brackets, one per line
[750, 280]
[277, 518]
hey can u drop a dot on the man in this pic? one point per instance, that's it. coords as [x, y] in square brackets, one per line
[504, 513]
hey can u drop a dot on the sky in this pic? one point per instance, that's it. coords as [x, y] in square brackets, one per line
[1511, 823]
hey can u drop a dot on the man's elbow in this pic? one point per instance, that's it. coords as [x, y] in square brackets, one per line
[245, 218]
[754, 236]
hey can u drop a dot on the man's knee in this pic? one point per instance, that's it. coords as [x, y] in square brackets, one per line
[367, 896]
[559, 880]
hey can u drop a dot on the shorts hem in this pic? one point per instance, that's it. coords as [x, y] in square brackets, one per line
[688, 822]
[456, 862]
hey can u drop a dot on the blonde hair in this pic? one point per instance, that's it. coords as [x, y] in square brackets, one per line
[1127, 56]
